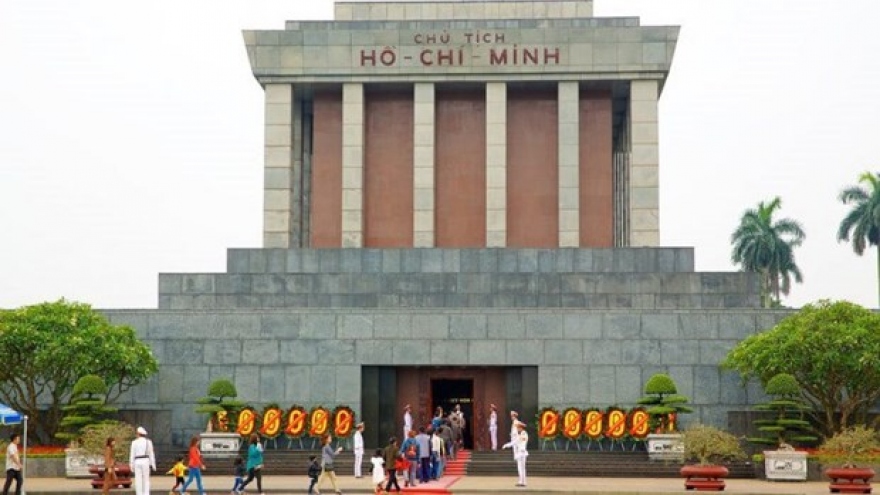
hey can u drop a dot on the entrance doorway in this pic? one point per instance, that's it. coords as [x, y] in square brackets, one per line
[447, 393]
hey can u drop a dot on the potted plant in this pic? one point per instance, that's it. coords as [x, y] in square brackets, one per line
[87, 407]
[785, 426]
[708, 445]
[663, 404]
[857, 444]
[93, 442]
[222, 408]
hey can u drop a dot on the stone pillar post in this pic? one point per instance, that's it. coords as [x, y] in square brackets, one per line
[644, 201]
[569, 153]
[282, 156]
[352, 165]
[423, 163]
[496, 164]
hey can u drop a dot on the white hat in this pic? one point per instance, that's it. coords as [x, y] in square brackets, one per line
[141, 431]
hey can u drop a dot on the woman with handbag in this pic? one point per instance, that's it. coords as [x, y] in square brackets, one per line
[327, 469]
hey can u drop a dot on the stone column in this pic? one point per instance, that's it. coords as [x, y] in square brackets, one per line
[496, 164]
[282, 168]
[644, 200]
[569, 152]
[352, 165]
[423, 163]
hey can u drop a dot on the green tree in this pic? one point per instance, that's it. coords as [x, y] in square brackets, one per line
[221, 398]
[47, 347]
[766, 247]
[87, 406]
[833, 351]
[862, 223]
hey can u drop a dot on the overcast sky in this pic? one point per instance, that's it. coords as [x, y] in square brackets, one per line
[131, 136]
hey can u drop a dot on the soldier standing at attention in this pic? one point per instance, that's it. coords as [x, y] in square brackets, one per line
[493, 426]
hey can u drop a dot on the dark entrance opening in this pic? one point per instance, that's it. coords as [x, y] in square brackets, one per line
[447, 394]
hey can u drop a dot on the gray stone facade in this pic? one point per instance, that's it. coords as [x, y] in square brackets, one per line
[585, 355]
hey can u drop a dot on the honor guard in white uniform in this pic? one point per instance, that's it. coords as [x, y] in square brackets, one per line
[520, 451]
[358, 449]
[142, 459]
[493, 426]
[407, 420]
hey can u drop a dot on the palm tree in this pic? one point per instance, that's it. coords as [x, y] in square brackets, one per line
[862, 223]
[766, 247]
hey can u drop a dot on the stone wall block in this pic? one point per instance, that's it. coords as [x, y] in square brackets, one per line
[355, 326]
[489, 352]
[627, 381]
[298, 384]
[222, 352]
[391, 326]
[430, 326]
[236, 260]
[185, 352]
[258, 351]
[272, 384]
[603, 351]
[326, 393]
[624, 260]
[563, 352]
[699, 325]
[170, 386]
[621, 326]
[546, 262]
[391, 261]
[545, 326]
[309, 261]
[489, 260]
[582, 326]
[468, 326]
[525, 352]
[680, 352]
[662, 326]
[280, 325]
[706, 383]
[551, 384]
[410, 260]
[197, 283]
[449, 352]
[643, 352]
[527, 260]
[348, 386]
[603, 385]
[170, 283]
[545, 283]
[195, 382]
[576, 389]
[583, 260]
[506, 326]
[336, 351]
[507, 261]
[736, 326]
[409, 352]
[712, 352]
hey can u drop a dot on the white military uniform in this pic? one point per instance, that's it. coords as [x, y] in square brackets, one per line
[358, 452]
[520, 452]
[493, 429]
[142, 459]
[407, 425]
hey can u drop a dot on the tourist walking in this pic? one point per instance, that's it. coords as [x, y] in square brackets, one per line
[328, 455]
[437, 455]
[424, 442]
[238, 473]
[142, 459]
[358, 449]
[195, 465]
[254, 463]
[410, 450]
[109, 466]
[13, 465]
[391, 455]
[520, 451]
[378, 471]
[313, 472]
[178, 470]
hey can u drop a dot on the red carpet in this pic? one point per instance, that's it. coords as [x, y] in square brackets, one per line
[452, 473]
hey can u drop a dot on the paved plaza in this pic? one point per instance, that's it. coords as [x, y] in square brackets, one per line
[464, 486]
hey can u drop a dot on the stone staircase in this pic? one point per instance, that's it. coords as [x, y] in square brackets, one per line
[614, 464]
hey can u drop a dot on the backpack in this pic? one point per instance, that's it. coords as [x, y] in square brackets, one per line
[411, 451]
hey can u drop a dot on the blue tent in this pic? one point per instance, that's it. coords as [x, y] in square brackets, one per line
[9, 416]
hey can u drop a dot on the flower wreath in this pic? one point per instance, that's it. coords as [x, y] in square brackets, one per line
[594, 423]
[343, 422]
[548, 423]
[297, 419]
[571, 423]
[319, 422]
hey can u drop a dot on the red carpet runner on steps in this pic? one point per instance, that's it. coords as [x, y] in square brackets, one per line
[453, 472]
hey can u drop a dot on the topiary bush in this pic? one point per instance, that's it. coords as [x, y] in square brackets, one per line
[787, 426]
[663, 400]
[855, 444]
[88, 407]
[708, 445]
[221, 405]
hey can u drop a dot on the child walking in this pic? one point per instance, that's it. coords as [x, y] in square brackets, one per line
[314, 472]
[238, 467]
[178, 470]
[378, 471]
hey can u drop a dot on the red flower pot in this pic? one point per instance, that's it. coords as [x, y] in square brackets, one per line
[704, 477]
[850, 480]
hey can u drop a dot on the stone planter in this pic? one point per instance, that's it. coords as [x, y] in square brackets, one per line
[123, 476]
[785, 465]
[704, 477]
[665, 447]
[45, 467]
[77, 463]
[219, 444]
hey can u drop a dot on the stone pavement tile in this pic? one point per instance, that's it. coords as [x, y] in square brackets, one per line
[468, 485]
